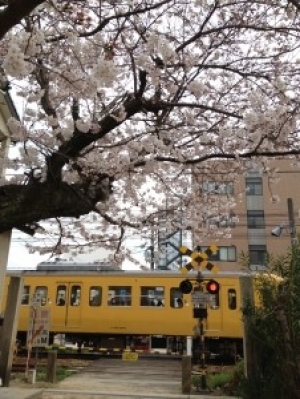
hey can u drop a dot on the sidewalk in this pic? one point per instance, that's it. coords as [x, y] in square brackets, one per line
[20, 393]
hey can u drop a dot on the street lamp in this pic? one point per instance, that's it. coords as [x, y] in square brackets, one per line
[277, 231]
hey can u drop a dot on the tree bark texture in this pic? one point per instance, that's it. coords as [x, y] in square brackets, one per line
[21, 205]
[14, 12]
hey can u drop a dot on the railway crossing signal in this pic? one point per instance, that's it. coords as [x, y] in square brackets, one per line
[199, 259]
[212, 286]
[186, 287]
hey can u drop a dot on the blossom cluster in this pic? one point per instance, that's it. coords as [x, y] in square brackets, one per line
[151, 100]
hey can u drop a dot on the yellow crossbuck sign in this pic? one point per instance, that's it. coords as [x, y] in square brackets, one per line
[199, 259]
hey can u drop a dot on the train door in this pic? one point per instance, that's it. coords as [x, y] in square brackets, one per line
[214, 322]
[67, 305]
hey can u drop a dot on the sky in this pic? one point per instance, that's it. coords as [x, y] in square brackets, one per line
[20, 258]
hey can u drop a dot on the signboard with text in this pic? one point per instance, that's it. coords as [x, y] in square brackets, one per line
[38, 329]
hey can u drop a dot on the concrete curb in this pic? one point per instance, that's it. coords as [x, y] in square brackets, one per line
[20, 393]
[74, 394]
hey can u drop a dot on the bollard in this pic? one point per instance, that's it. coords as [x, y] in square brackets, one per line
[31, 377]
[186, 374]
[51, 367]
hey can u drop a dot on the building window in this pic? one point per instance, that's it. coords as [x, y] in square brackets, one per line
[218, 187]
[119, 296]
[95, 296]
[223, 220]
[225, 254]
[152, 296]
[255, 220]
[254, 186]
[257, 254]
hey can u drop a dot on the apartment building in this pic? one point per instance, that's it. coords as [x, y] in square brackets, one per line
[266, 217]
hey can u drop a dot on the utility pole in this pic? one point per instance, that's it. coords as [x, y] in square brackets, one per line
[8, 329]
[292, 225]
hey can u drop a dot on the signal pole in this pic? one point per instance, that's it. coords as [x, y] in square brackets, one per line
[200, 311]
[199, 296]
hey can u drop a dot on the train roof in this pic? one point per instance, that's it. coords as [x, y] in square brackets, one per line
[77, 266]
[92, 269]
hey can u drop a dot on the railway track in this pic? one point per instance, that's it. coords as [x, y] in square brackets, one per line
[93, 355]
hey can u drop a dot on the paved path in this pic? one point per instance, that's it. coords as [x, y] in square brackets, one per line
[141, 376]
[114, 378]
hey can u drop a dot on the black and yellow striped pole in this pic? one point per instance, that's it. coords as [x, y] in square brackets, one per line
[199, 260]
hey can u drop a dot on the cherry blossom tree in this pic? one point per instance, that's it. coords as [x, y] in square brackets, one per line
[127, 102]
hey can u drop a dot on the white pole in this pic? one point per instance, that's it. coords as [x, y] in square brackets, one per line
[189, 343]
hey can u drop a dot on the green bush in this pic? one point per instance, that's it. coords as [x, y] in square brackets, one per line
[274, 330]
[229, 382]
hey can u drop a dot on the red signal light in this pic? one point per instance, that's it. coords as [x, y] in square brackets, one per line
[212, 287]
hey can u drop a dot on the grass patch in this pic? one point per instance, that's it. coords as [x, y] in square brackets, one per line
[219, 381]
[61, 373]
[229, 382]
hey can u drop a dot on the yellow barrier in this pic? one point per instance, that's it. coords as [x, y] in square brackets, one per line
[130, 356]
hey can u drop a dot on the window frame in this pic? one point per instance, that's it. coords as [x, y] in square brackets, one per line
[118, 298]
[231, 299]
[25, 300]
[61, 295]
[218, 257]
[218, 187]
[260, 251]
[92, 301]
[254, 186]
[43, 298]
[176, 298]
[75, 295]
[256, 219]
[152, 296]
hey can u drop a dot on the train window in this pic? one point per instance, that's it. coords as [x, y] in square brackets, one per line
[232, 299]
[176, 299]
[41, 294]
[25, 295]
[214, 301]
[95, 296]
[75, 295]
[61, 295]
[152, 296]
[119, 296]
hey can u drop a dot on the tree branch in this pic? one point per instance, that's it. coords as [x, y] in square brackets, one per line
[25, 205]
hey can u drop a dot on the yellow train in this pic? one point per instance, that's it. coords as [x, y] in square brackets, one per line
[114, 309]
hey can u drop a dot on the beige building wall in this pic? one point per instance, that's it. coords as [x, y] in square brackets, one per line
[259, 210]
